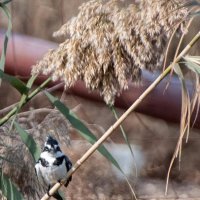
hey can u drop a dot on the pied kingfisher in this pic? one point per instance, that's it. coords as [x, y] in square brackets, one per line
[52, 166]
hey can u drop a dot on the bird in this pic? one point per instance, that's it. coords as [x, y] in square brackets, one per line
[52, 166]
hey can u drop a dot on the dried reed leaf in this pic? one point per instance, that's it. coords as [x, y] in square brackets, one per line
[185, 120]
[193, 64]
[190, 103]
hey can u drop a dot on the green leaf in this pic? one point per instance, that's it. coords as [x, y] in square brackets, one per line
[31, 81]
[25, 95]
[23, 98]
[193, 66]
[16, 83]
[193, 63]
[28, 141]
[8, 189]
[82, 129]
[5, 2]
[125, 138]
[7, 35]
[178, 71]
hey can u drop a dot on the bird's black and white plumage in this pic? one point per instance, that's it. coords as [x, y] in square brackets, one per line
[53, 165]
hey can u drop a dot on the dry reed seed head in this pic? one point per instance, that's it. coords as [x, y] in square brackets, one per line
[108, 45]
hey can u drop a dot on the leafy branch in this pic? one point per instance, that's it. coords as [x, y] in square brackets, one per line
[29, 97]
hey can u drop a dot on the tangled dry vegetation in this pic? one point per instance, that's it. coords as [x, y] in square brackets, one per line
[107, 45]
[20, 164]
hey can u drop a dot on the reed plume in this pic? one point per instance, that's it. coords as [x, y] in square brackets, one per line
[106, 45]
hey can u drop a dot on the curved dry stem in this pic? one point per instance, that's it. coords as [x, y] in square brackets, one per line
[182, 37]
[196, 99]
[177, 49]
[168, 46]
[7, 109]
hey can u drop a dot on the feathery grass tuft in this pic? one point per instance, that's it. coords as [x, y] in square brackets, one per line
[107, 45]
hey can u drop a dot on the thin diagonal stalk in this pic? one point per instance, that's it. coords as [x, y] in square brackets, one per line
[30, 96]
[51, 89]
[122, 118]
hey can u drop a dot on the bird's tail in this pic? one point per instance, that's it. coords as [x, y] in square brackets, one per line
[57, 196]
[68, 180]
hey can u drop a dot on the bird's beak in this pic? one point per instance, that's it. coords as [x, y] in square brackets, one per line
[53, 150]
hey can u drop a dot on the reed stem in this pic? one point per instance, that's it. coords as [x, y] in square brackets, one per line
[123, 117]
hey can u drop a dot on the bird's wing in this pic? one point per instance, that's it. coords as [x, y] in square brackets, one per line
[57, 196]
[39, 174]
[68, 164]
